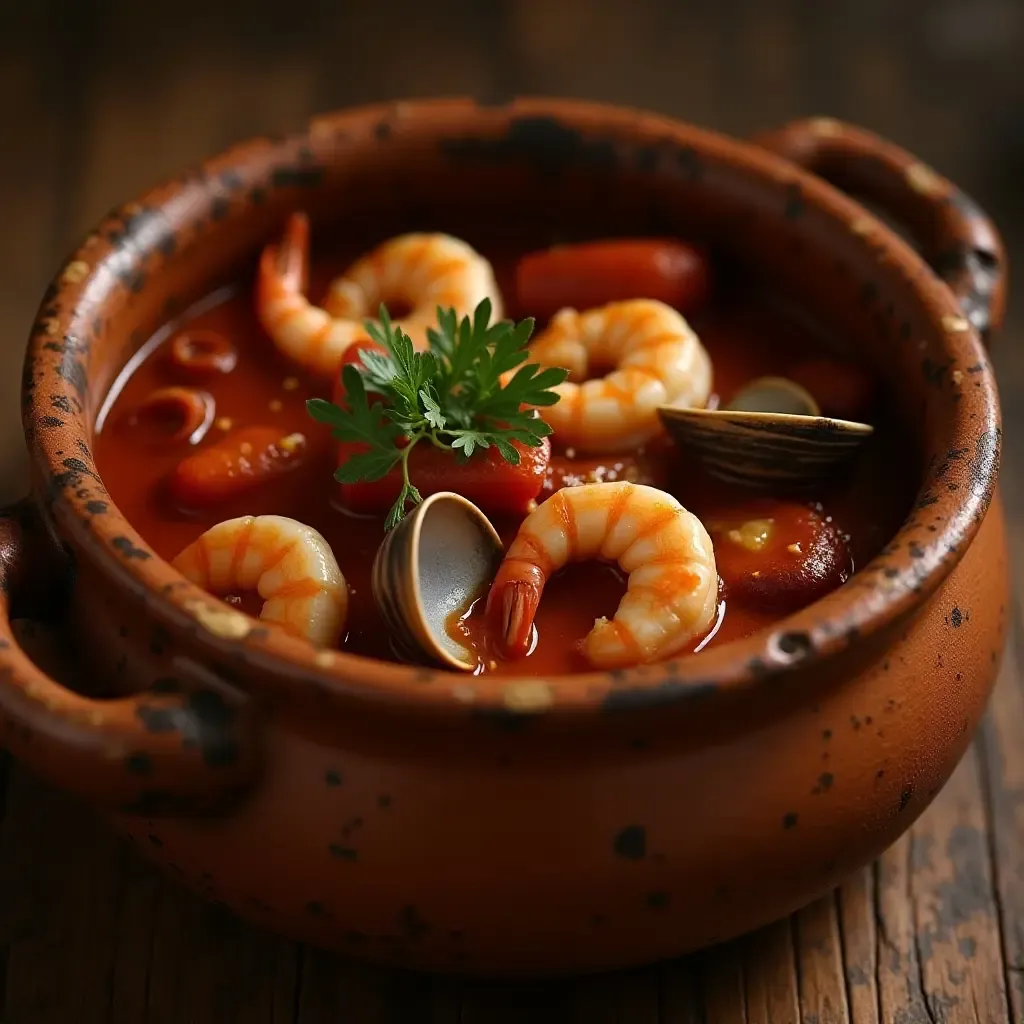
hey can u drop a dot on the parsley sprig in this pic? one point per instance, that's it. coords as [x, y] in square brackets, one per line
[452, 396]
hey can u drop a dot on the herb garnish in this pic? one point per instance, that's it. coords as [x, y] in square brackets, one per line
[451, 395]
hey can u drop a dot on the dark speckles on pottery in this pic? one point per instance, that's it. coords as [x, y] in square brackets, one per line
[956, 617]
[825, 780]
[546, 143]
[658, 900]
[689, 163]
[790, 820]
[296, 177]
[412, 923]
[139, 764]
[794, 646]
[203, 720]
[905, 797]
[332, 778]
[127, 549]
[631, 842]
[669, 692]
[794, 207]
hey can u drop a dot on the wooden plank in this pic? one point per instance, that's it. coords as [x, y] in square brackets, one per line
[939, 952]
[1003, 759]
[680, 1000]
[207, 967]
[511, 1002]
[60, 889]
[899, 976]
[769, 969]
[335, 991]
[638, 997]
[860, 946]
[139, 896]
[445, 1003]
[59, 892]
[724, 990]
[593, 1001]
[820, 964]
[955, 915]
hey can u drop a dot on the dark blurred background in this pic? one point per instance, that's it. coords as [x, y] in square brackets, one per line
[102, 98]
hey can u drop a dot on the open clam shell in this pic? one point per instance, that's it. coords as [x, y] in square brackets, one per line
[771, 435]
[430, 566]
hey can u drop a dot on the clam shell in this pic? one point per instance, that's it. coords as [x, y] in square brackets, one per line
[775, 394]
[432, 564]
[786, 445]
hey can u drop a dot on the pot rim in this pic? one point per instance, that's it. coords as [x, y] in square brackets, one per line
[901, 577]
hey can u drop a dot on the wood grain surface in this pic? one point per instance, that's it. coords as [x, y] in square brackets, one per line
[102, 98]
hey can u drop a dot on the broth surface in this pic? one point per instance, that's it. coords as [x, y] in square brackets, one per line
[746, 335]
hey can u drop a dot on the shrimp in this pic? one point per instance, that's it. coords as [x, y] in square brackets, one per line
[420, 271]
[288, 563]
[657, 360]
[672, 593]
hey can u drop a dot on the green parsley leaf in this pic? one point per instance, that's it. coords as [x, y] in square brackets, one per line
[452, 395]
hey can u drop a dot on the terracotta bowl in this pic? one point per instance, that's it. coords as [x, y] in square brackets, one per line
[531, 825]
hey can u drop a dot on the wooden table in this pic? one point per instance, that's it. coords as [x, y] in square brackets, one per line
[103, 98]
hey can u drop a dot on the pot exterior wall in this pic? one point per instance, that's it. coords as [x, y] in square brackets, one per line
[501, 854]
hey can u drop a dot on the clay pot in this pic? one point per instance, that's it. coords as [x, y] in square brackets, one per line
[533, 825]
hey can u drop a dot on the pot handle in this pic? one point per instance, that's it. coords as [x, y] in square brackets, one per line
[188, 744]
[955, 235]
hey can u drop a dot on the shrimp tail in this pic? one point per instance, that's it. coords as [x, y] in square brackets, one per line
[292, 255]
[512, 607]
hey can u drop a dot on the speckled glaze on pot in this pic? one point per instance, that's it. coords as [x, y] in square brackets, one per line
[510, 826]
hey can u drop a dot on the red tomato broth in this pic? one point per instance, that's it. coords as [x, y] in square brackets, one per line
[746, 335]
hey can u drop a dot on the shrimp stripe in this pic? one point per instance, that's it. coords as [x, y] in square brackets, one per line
[627, 640]
[203, 558]
[307, 587]
[655, 524]
[568, 516]
[536, 553]
[242, 545]
[618, 506]
[279, 555]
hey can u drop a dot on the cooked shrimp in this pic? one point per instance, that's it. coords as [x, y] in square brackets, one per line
[672, 593]
[418, 271]
[657, 360]
[290, 565]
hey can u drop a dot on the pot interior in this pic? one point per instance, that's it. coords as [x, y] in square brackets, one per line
[533, 181]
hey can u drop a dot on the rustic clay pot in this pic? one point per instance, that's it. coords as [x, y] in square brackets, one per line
[533, 825]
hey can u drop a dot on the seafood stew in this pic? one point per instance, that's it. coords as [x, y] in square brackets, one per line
[621, 546]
